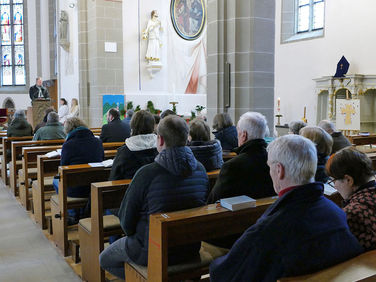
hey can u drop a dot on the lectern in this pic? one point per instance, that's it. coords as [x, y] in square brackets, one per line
[35, 113]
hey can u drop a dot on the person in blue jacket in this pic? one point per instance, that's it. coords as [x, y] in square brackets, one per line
[174, 181]
[301, 233]
[225, 131]
[208, 152]
[80, 147]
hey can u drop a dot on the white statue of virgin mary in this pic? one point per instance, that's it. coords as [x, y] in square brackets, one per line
[152, 33]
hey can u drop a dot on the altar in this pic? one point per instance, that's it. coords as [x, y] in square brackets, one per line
[349, 102]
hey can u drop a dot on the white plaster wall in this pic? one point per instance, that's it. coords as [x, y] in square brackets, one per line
[349, 31]
[166, 86]
[45, 40]
[68, 71]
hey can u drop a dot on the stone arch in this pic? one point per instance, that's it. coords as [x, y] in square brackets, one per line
[9, 103]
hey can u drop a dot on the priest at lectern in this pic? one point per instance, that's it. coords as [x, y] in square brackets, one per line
[38, 91]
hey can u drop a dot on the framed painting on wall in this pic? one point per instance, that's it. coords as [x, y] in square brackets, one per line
[188, 17]
[112, 101]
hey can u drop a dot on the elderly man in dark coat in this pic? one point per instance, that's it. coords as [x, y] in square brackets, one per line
[301, 233]
[247, 173]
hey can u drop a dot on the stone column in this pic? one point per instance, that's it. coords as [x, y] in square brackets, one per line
[101, 73]
[241, 33]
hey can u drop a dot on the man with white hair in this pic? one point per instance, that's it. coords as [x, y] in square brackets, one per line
[301, 233]
[339, 141]
[247, 173]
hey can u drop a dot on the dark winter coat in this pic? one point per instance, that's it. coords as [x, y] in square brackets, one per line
[301, 233]
[245, 174]
[228, 137]
[19, 127]
[339, 141]
[138, 151]
[81, 147]
[115, 131]
[321, 175]
[175, 181]
[208, 153]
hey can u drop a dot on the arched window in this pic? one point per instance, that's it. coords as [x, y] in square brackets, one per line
[12, 43]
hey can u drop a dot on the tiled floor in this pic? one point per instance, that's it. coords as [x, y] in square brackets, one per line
[25, 253]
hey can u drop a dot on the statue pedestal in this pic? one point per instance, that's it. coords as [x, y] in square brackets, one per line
[153, 68]
[35, 113]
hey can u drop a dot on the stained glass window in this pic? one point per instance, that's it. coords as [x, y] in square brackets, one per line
[12, 42]
[310, 15]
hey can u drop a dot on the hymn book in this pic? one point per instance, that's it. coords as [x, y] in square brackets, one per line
[53, 154]
[238, 203]
[106, 163]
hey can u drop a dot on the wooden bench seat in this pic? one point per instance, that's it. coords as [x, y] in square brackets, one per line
[71, 176]
[48, 167]
[207, 254]
[5, 159]
[356, 269]
[187, 227]
[110, 222]
[17, 153]
[92, 231]
[104, 195]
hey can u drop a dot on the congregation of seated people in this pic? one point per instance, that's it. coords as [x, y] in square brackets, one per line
[168, 158]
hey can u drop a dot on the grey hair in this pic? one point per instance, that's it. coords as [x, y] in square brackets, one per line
[327, 125]
[254, 124]
[19, 114]
[296, 125]
[53, 117]
[72, 123]
[297, 155]
[221, 121]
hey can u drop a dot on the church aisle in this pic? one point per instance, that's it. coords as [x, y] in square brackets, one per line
[25, 253]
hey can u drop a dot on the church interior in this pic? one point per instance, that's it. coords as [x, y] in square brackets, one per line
[123, 74]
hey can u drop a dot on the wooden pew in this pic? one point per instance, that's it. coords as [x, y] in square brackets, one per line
[226, 155]
[47, 168]
[357, 140]
[93, 231]
[6, 141]
[17, 151]
[29, 170]
[104, 195]
[71, 176]
[356, 269]
[183, 227]
[187, 227]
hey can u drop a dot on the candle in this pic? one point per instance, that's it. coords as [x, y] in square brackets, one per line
[278, 104]
[305, 109]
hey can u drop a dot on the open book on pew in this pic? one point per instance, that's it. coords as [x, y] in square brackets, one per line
[106, 163]
[329, 190]
[238, 203]
[53, 154]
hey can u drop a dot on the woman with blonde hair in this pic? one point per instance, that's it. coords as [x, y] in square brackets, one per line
[324, 143]
[74, 109]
